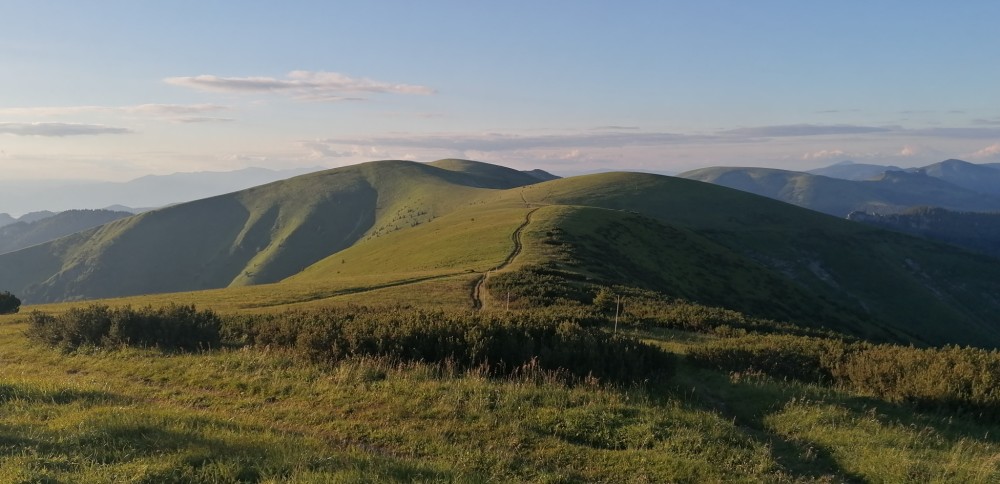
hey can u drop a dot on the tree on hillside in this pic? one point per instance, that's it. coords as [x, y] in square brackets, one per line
[9, 303]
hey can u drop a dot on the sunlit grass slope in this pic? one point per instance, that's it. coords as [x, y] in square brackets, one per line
[471, 239]
[255, 236]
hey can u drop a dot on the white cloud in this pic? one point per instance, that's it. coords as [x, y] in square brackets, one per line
[304, 85]
[202, 119]
[821, 154]
[987, 152]
[319, 150]
[59, 129]
[805, 130]
[908, 151]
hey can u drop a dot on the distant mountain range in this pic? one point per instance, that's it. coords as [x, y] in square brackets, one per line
[848, 170]
[148, 191]
[399, 221]
[952, 184]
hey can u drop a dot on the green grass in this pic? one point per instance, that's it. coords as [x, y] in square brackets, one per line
[263, 415]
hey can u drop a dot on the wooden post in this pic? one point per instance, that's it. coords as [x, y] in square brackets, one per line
[618, 303]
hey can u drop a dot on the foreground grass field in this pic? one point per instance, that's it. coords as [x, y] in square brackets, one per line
[267, 415]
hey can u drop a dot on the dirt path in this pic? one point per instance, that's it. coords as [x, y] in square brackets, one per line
[477, 290]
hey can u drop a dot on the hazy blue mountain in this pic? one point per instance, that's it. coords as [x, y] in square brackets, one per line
[892, 192]
[35, 216]
[849, 170]
[26, 233]
[6, 219]
[148, 191]
[979, 178]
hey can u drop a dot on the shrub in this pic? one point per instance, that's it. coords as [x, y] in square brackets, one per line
[169, 327]
[955, 378]
[501, 343]
[784, 356]
[9, 303]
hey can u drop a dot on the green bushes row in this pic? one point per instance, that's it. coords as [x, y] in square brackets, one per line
[648, 308]
[501, 343]
[951, 377]
[172, 327]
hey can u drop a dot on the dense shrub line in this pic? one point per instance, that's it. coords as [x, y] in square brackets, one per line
[173, 327]
[950, 377]
[501, 342]
[652, 309]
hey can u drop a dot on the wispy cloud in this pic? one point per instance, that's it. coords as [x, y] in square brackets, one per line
[59, 129]
[789, 130]
[152, 110]
[303, 85]
[990, 151]
[988, 122]
[616, 128]
[203, 119]
[956, 133]
[173, 109]
[503, 142]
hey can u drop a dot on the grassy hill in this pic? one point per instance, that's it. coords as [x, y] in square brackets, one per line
[396, 226]
[255, 236]
[893, 191]
[834, 272]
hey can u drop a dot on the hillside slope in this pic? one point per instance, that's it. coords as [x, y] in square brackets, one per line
[892, 192]
[19, 235]
[255, 236]
[846, 275]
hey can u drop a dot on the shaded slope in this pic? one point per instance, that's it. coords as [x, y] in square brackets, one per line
[488, 175]
[889, 282]
[893, 191]
[19, 235]
[978, 232]
[259, 235]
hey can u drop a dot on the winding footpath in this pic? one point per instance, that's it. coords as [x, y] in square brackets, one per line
[477, 291]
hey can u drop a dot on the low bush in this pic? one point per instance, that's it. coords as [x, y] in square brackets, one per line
[952, 377]
[784, 356]
[173, 327]
[9, 303]
[502, 343]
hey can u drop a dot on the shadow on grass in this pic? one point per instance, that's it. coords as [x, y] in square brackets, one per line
[748, 402]
[198, 449]
[61, 396]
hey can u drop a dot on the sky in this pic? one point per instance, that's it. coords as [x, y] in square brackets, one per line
[114, 90]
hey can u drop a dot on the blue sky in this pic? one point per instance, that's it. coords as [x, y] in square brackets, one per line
[119, 89]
